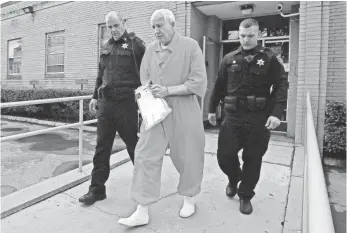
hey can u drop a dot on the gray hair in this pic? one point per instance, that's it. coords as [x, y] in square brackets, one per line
[113, 14]
[166, 14]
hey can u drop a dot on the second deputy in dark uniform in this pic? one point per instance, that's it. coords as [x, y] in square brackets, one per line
[118, 77]
[251, 110]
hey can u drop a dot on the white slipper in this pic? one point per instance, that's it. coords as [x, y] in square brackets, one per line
[138, 218]
[188, 208]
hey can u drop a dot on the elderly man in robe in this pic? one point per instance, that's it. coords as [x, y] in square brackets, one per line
[174, 66]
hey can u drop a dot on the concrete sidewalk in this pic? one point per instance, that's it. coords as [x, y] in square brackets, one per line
[215, 212]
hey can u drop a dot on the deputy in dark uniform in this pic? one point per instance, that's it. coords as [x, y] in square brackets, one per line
[118, 77]
[250, 109]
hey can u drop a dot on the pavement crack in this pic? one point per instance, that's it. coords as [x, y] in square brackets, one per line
[288, 191]
[105, 212]
[70, 196]
[279, 164]
[281, 145]
[85, 173]
[92, 206]
[151, 229]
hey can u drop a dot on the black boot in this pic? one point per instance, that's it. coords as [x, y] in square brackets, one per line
[245, 206]
[91, 197]
[231, 189]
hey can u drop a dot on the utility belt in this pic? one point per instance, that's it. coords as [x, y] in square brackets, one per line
[117, 94]
[249, 103]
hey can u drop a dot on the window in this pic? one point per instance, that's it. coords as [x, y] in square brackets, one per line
[14, 57]
[55, 52]
[103, 36]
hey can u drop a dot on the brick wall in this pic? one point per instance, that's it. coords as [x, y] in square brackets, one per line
[80, 21]
[336, 86]
[312, 69]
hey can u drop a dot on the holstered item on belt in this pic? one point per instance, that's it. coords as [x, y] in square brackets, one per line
[260, 102]
[99, 93]
[139, 121]
[251, 102]
[117, 94]
[231, 101]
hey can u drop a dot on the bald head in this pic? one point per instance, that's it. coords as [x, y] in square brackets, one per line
[115, 24]
[113, 15]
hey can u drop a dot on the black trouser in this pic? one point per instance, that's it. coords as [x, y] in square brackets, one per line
[113, 116]
[247, 131]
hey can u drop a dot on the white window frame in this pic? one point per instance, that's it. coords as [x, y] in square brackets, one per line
[8, 58]
[46, 53]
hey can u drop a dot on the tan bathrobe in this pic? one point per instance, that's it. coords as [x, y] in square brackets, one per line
[182, 62]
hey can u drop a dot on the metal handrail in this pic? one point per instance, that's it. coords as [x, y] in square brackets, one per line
[43, 101]
[73, 125]
[316, 207]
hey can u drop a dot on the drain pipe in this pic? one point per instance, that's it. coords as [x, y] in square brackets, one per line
[185, 17]
[279, 8]
[289, 15]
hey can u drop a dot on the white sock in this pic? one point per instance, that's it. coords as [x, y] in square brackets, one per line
[188, 208]
[138, 218]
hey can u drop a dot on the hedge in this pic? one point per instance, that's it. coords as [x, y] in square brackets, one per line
[62, 112]
[335, 127]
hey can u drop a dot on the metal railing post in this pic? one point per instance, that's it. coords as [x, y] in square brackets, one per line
[78, 124]
[80, 136]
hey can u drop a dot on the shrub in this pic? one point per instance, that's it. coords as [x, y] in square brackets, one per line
[335, 127]
[63, 112]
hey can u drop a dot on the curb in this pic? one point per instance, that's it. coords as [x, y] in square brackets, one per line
[36, 193]
[43, 122]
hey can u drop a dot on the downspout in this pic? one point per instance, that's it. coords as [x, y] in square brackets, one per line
[185, 18]
[289, 15]
[319, 101]
[280, 9]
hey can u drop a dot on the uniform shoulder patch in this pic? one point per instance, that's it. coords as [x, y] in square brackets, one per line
[141, 42]
[106, 48]
[271, 53]
[132, 35]
[268, 50]
[229, 58]
[231, 54]
[106, 43]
